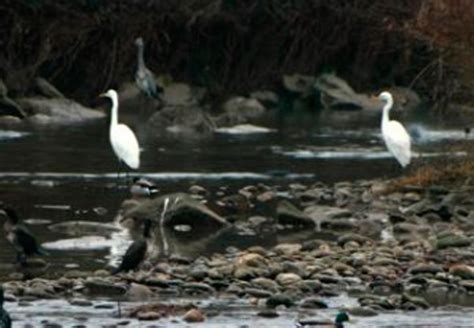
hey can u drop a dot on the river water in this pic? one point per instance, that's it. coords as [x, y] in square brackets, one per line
[67, 173]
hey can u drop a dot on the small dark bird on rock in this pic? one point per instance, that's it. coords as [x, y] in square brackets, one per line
[20, 237]
[136, 252]
[5, 320]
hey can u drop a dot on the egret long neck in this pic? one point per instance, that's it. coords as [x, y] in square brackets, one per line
[141, 62]
[114, 115]
[385, 117]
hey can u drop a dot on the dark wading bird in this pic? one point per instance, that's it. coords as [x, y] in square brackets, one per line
[20, 237]
[136, 252]
[5, 320]
[144, 78]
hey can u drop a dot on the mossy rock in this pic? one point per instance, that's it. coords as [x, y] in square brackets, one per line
[452, 241]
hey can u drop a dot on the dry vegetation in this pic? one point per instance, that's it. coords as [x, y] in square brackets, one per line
[232, 46]
[460, 172]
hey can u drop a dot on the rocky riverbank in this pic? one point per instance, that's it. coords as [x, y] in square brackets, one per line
[392, 250]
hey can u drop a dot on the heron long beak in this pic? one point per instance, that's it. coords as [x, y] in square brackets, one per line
[102, 95]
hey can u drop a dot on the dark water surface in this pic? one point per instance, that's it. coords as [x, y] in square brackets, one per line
[64, 173]
[67, 173]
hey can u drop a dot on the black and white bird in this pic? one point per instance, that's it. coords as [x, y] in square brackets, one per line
[5, 320]
[136, 252]
[142, 187]
[20, 237]
[144, 78]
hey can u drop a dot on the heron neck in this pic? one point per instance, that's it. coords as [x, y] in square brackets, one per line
[114, 115]
[141, 62]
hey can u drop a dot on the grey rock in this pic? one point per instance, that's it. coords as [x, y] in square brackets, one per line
[57, 111]
[183, 120]
[280, 299]
[239, 110]
[287, 213]
[47, 89]
[426, 268]
[181, 209]
[259, 293]
[452, 240]
[98, 286]
[287, 279]
[268, 313]
[352, 237]
[313, 303]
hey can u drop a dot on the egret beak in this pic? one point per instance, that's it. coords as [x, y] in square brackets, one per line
[102, 95]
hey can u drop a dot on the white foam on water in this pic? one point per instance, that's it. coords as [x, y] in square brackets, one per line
[10, 134]
[418, 133]
[244, 129]
[353, 153]
[86, 243]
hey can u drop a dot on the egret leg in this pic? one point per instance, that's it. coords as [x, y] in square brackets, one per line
[164, 240]
[118, 169]
[21, 258]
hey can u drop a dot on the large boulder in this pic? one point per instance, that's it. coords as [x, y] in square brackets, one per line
[9, 106]
[57, 111]
[46, 89]
[176, 209]
[297, 83]
[338, 94]
[181, 120]
[240, 110]
[182, 94]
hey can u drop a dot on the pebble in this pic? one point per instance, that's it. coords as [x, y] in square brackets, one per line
[193, 315]
[268, 313]
[417, 257]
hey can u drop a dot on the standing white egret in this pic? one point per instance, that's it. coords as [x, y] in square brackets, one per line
[144, 78]
[394, 134]
[123, 140]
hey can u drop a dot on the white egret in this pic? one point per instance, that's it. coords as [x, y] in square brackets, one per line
[123, 140]
[144, 78]
[394, 134]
